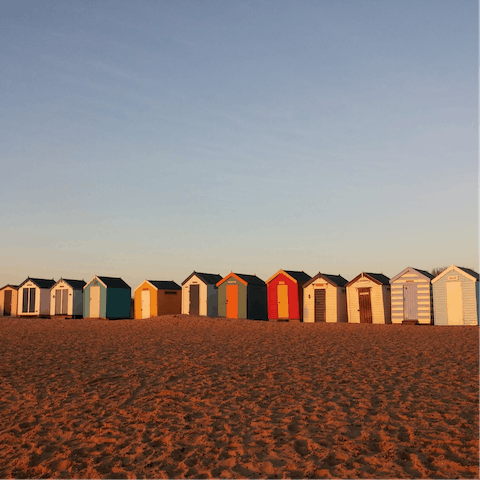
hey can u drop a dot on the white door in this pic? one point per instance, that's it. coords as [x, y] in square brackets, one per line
[145, 303]
[454, 303]
[95, 302]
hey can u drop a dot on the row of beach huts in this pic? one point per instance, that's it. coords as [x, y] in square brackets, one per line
[412, 297]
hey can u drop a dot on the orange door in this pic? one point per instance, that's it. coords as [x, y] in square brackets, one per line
[232, 301]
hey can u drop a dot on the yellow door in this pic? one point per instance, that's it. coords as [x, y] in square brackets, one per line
[282, 299]
[454, 303]
[94, 302]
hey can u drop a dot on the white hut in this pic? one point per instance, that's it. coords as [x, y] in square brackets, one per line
[66, 298]
[368, 299]
[455, 296]
[200, 294]
[34, 297]
[9, 301]
[325, 299]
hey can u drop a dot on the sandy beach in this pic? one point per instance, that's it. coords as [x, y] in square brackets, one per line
[180, 396]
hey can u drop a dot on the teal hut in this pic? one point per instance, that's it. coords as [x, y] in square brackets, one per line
[106, 297]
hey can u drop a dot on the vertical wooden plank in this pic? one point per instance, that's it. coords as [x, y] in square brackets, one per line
[320, 305]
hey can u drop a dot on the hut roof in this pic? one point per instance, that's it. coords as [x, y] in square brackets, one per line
[39, 282]
[208, 278]
[300, 276]
[114, 282]
[471, 272]
[336, 280]
[422, 272]
[165, 284]
[379, 278]
[15, 287]
[252, 279]
[75, 284]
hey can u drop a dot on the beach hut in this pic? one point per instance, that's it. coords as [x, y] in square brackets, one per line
[242, 296]
[106, 297]
[411, 295]
[200, 294]
[368, 298]
[157, 297]
[325, 299]
[285, 295]
[8, 301]
[34, 297]
[455, 296]
[66, 298]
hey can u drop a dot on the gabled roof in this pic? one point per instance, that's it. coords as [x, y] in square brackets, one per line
[335, 280]
[294, 275]
[379, 278]
[15, 287]
[75, 284]
[114, 282]
[165, 284]
[424, 273]
[245, 279]
[208, 278]
[39, 282]
[464, 271]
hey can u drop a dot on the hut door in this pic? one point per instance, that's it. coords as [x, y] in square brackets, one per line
[282, 298]
[146, 303]
[365, 305]
[320, 305]
[28, 305]
[410, 302]
[232, 301]
[58, 302]
[454, 303]
[194, 299]
[7, 303]
[65, 302]
[95, 302]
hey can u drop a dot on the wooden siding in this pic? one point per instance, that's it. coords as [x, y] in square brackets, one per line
[424, 297]
[379, 295]
[103, 298]
[118, 302]
[242, 297]
[205, 297]
[342, 316]
[14, 306]
[169, 302]
[42, 301]
[137, 300]
[61, 285]
[469, 298]
[293, 297]
[331, 298]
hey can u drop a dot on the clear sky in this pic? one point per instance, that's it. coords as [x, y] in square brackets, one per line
[149, 139]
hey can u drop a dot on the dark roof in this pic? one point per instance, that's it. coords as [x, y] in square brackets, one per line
[252, 279]
[209, 278]
[380, 277]
[299, 276]
[114, 282]
[336, 280]
[424, 272]
[40, 282]
[11, 286]
[165, 284]
[471, 272]
[75, 284]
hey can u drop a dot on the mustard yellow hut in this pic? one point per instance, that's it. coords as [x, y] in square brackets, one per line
[157, 297]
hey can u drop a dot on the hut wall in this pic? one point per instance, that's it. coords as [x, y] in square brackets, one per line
[36, 311]
[377, 296]
[342, 316]
[293, 303]
[242, 298]
[257, 302]
[424, 297]
[14, 304]
[61, 285]
[469, 298]
[169, 302]
[212, 300]
[77, 303]
[103, 299]
[138, 300]
[203, 296]
[118, 302]
[330, 301]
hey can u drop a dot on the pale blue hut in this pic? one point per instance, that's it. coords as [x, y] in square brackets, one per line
[455, 296]
[106, 297]
[412, 300]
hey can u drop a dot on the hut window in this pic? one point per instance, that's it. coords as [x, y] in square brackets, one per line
[171, 293]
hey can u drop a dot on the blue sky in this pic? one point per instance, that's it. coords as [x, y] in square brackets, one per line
[149, 139]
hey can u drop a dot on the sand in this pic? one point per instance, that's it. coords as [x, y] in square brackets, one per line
[180, 396]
